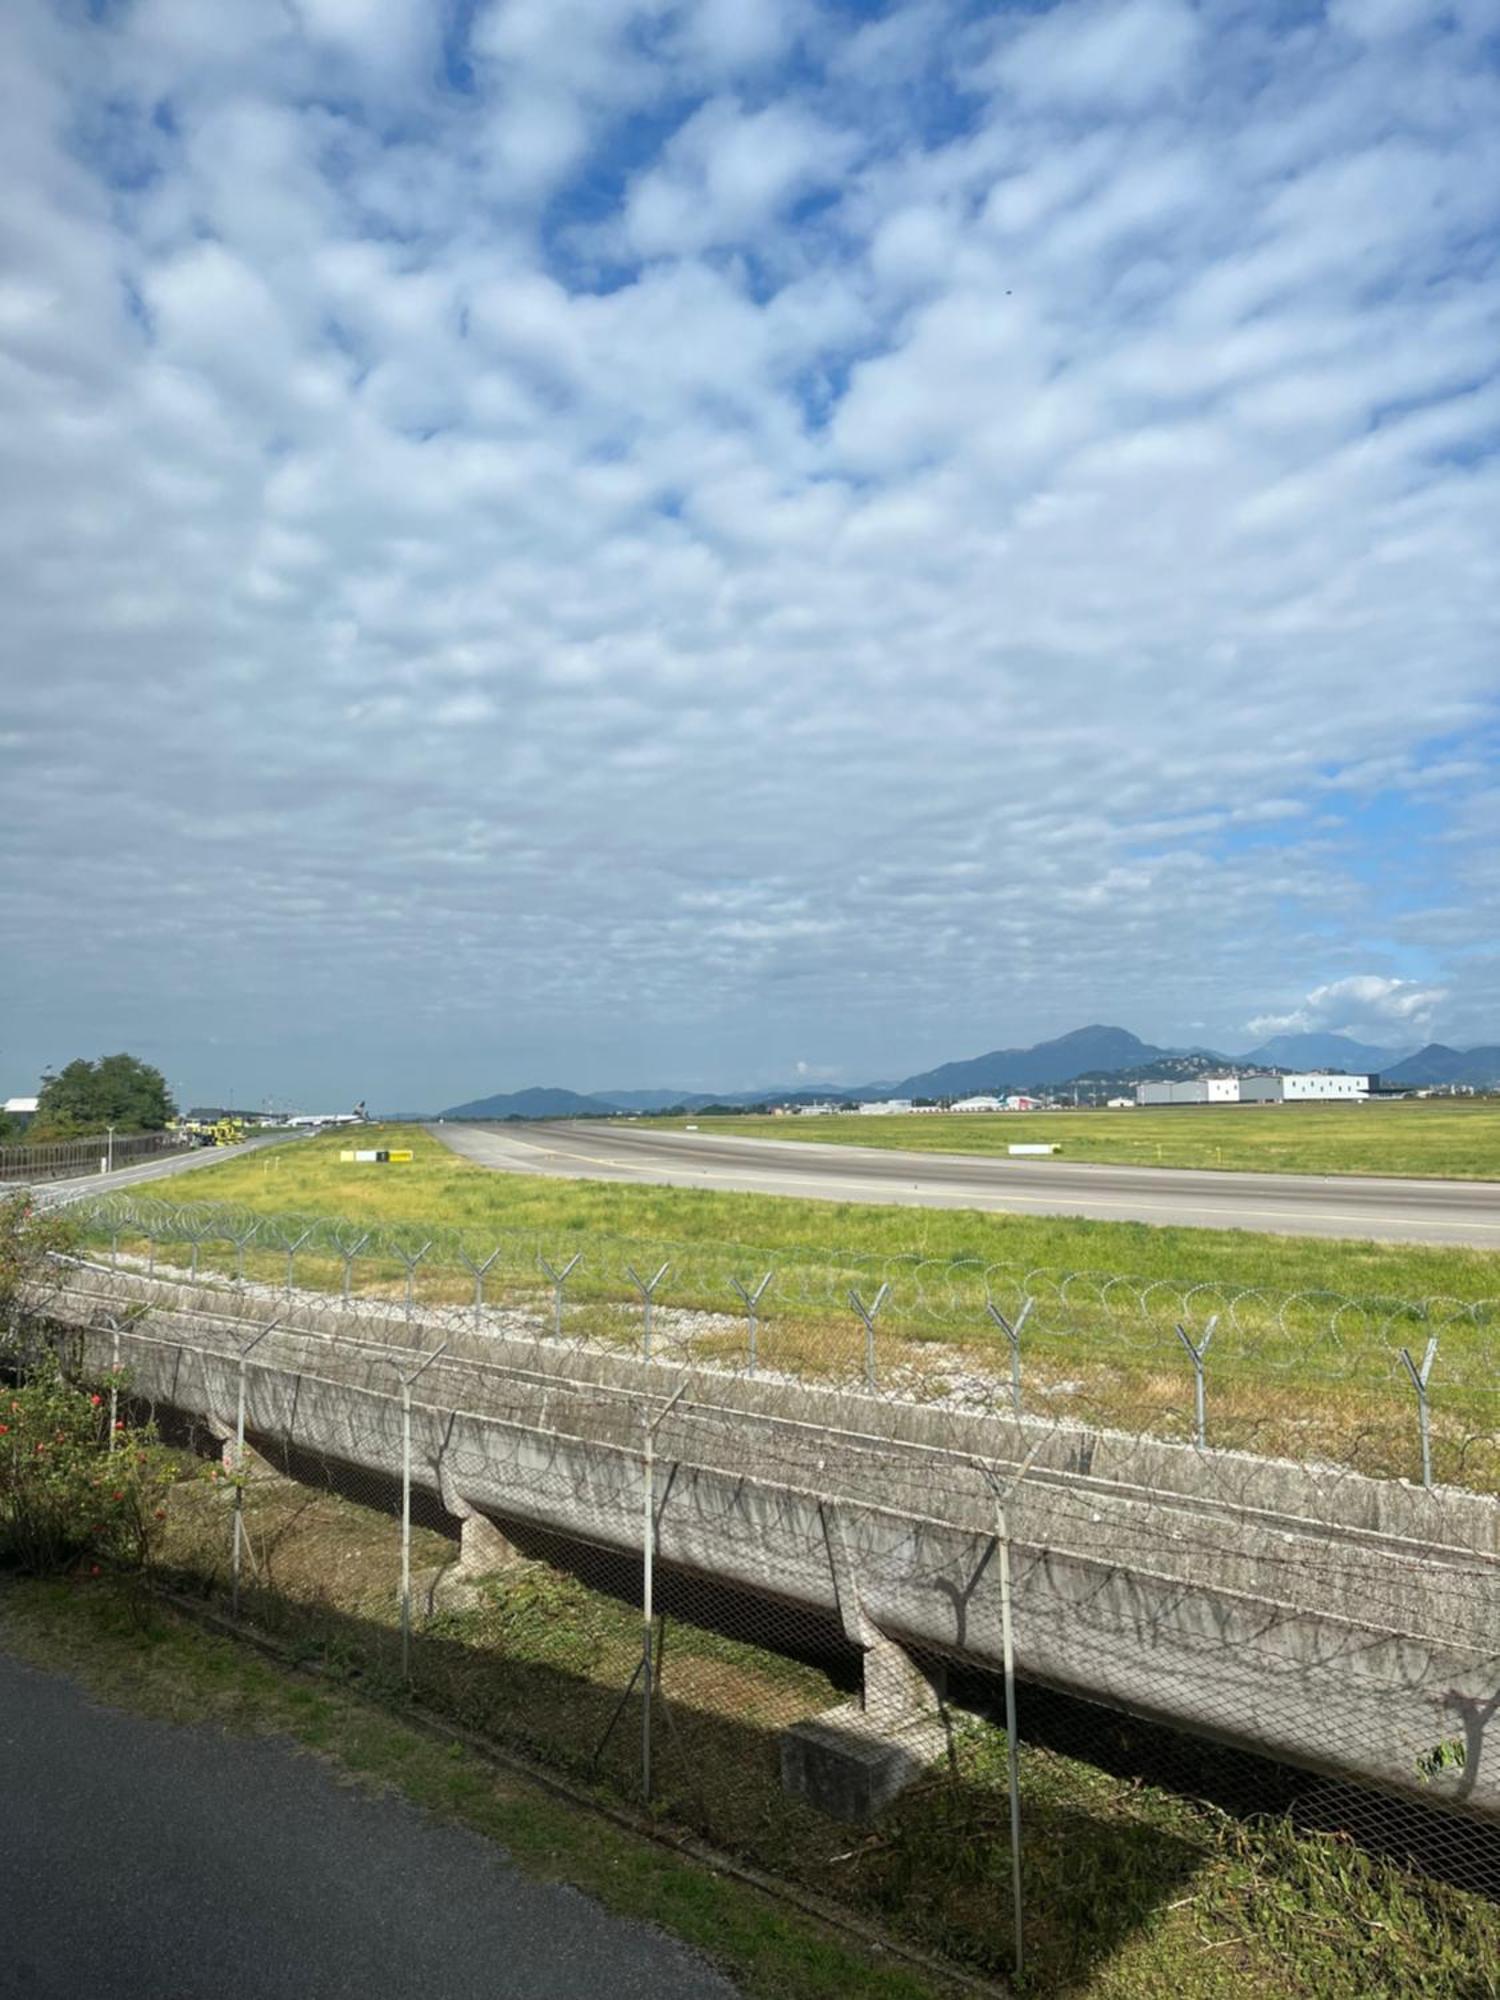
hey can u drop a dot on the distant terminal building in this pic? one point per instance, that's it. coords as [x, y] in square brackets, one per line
[1016, 1102]
[1310, 1087]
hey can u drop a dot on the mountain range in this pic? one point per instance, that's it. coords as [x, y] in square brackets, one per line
[1439, 1065]
[1094, 1053]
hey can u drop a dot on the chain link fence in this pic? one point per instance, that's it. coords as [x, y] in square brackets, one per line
[68, 1159]
[1068, 1625]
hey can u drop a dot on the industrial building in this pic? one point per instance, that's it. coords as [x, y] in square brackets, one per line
[1308, 1087]
[1015, 1102]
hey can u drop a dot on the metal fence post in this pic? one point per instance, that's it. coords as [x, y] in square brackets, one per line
[647, 1292]
[1419, 1379]
[868, 1314]
[239, 1469]
[406, 1388]
[114, 1382]
[1197, 1353]
[476, 1272]
[1012, 1332]
[292, 1245]
[752, 1300]
[559, 1279]
[648, 1577]
[1008, 1663]
[645, 1666]
[411, 1260]
[348, 1252]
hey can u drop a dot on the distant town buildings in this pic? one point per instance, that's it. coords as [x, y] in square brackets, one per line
[906, 1107]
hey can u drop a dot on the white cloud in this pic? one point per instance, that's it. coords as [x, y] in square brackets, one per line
[692, 537]
[727, 172]
[1361, 1005]
[1110, 53]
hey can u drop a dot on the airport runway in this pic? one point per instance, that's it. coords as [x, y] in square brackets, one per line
[1388, 1211]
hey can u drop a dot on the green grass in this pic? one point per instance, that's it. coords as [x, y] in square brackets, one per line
[1133, 1891]
[443, 1192]
[1443, 1138]
[1305, 1360]
[148, 1659]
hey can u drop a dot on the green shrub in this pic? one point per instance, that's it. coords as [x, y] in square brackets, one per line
[73, 1492]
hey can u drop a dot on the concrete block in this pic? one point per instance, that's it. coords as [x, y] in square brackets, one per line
[848, 1764]
[482, 1548]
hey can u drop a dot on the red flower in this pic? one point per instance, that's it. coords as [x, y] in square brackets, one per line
[94, 1571]
[117, 1496]
[96, 1401]
[3, 1429]
[120, 1425]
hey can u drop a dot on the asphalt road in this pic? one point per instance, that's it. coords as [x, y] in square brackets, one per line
[1390, 1211]
[140, 1860]
[163, 1166]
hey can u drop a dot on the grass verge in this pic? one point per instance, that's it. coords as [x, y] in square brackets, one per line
[1138, 1886]
[441, 1191]
[144, 1656]
[1444, 1139]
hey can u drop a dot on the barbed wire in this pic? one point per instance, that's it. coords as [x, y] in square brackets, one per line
[1407, 1387]
[457, 1491]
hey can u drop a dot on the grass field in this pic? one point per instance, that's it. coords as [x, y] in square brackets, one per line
[1431, 1138]
[440, 1191]
[1306, 1348]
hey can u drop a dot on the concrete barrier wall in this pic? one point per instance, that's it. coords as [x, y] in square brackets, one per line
[1348, 1625]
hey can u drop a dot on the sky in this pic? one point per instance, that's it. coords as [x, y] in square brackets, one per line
[713, 542]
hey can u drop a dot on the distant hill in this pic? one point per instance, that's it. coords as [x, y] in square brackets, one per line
[537, 1103]
[1099, 1059]
[1437, 1064]
[659, 1100]
[1095, 1050]
[1317, 1051]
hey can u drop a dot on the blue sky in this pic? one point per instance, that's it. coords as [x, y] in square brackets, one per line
[661, 541]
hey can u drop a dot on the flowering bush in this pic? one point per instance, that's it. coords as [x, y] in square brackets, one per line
[29, 1238]
[73, 1492]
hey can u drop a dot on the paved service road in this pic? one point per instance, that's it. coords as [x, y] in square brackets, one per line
[141, 1860]
[162, 1166]
[1393, 1211]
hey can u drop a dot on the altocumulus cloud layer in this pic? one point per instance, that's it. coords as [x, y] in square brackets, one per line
[631, 540]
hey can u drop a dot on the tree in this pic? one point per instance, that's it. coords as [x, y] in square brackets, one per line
[88, 1097]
